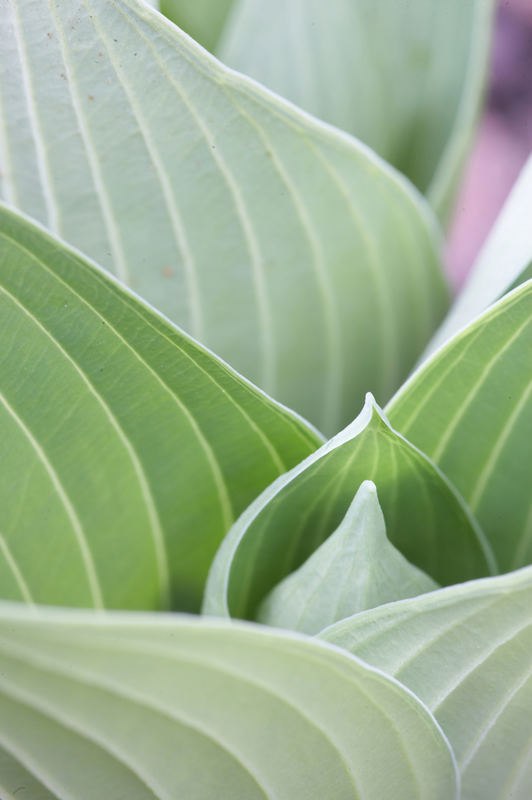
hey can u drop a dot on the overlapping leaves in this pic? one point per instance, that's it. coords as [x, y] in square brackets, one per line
[165, 707]
[127, 448]
[407, 77]
[470, 409]
[267, 235]
[504, 262]
[202, 19]
[465, 651]
[130, 449]
[426, 518]
[354, 569]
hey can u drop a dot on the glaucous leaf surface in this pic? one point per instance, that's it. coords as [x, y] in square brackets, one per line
[503, 263]
[201, 19]
[426, 519]
[356, 568]
[127, 448]
[405, 77]
[270, 237]
[154, 706]
[466, 651]
[470, 409]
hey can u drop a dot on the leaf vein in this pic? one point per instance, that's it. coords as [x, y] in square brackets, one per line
[15, 569]
[153, 514]
[113, 231]
[225, 503]
[77, 527]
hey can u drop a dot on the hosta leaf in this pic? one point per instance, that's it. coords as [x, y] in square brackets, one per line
[404, 77]
[127, 449]
[354, 569]
[503, 263]
[270, 237]
[202, 19]
[155, 706]
[466, 652]
[470, 409]
[425, 517]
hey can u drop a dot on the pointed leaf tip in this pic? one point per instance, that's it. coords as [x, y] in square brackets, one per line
[356, 568]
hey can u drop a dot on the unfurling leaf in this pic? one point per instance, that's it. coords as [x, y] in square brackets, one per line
[356, 568]
[426, 519]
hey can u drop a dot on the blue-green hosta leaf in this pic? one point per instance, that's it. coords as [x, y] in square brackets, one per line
[404, 77]
[201, 19]
[265, 234]
[154, 706]
[127, 448]
[466, 651]
[425, 517]
[470, 409]
[354, 569]
[503, 263]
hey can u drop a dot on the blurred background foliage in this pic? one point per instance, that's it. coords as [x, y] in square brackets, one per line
[503, 140]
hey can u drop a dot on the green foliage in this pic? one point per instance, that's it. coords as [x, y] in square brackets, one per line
[203, 19]
[176, 707]
[465, 651]
[231, 211]
[425, 516]
[355, 568]
[162, 465]
[396, 85]
[470, 409]
[140, 472]
[504, 262]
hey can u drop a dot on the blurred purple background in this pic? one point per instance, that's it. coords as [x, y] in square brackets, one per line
[504, 138]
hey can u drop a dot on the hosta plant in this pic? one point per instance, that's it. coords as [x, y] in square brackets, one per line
[363, 577]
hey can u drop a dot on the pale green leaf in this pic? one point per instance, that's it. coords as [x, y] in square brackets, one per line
[154, 706]
[470, 409]
[265, 234]
[502, 264]
[201, 19]
[406, 78]
[425, 517]
[127, 448]
[356, 568]
[466, 651]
